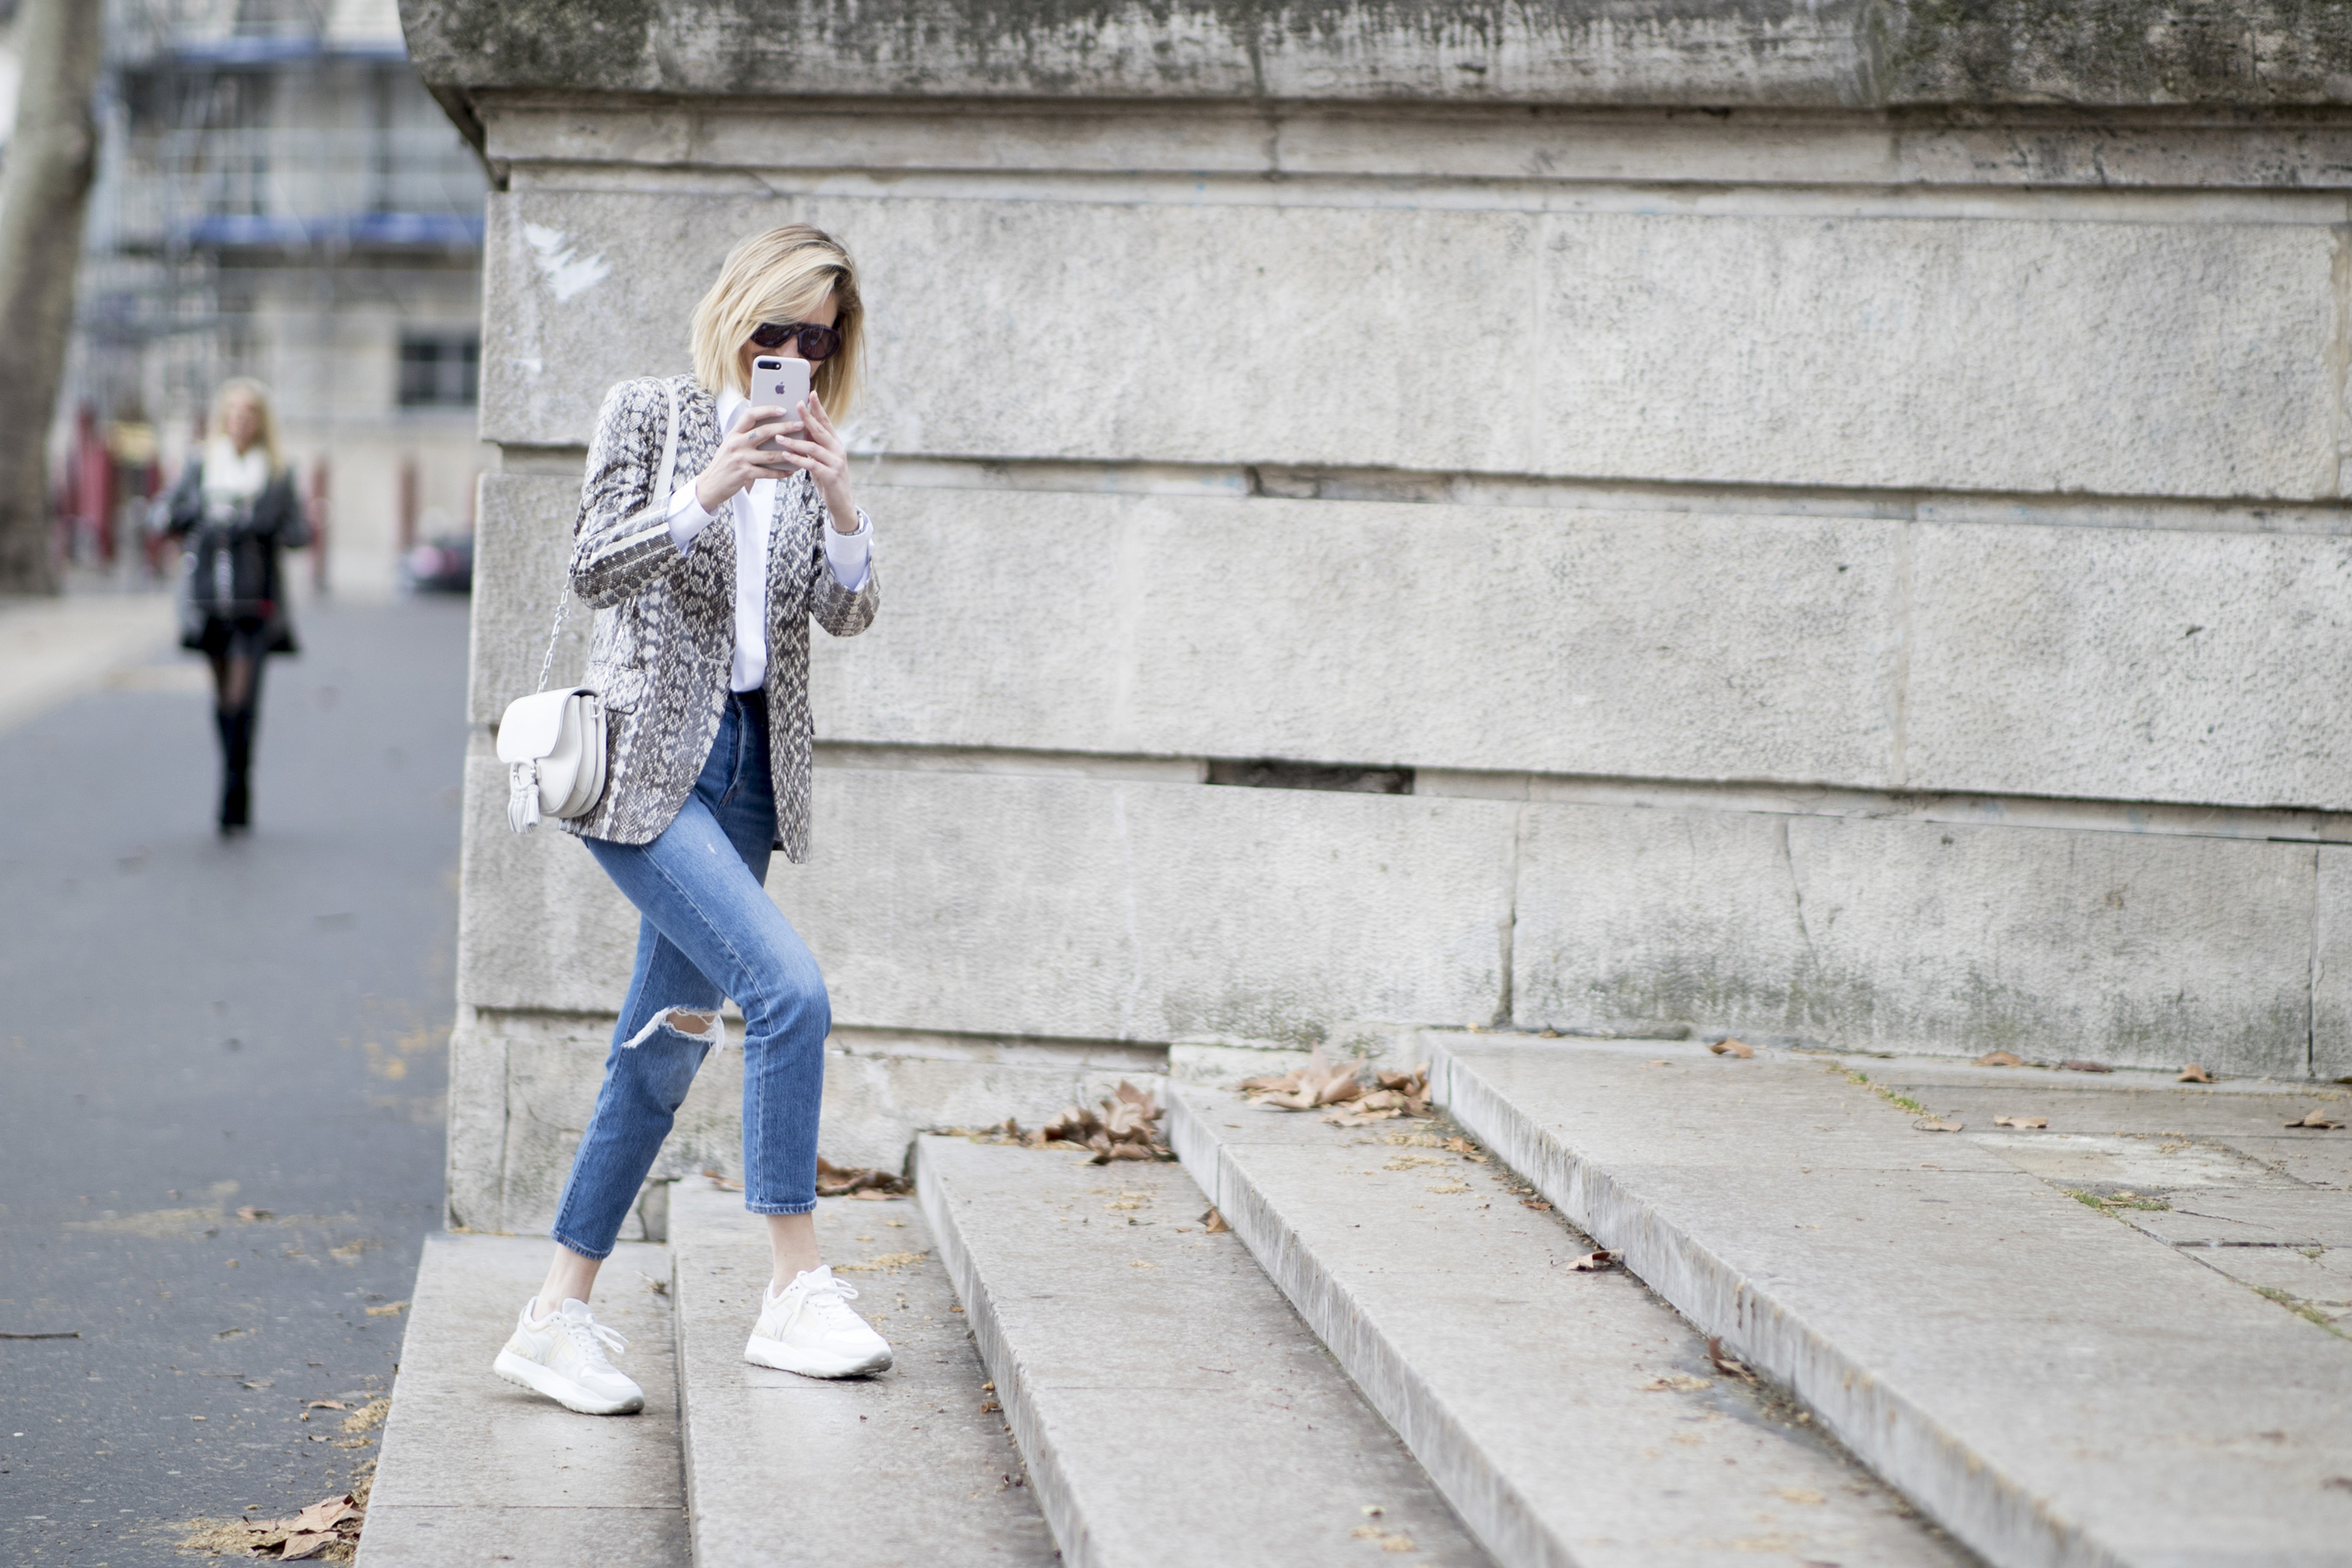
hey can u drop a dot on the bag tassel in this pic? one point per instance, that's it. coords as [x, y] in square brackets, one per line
[522, 797]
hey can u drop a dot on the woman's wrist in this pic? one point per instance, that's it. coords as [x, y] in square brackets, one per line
[843, 510]
[707, 492]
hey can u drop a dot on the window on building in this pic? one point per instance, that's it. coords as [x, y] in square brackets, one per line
[439, 370]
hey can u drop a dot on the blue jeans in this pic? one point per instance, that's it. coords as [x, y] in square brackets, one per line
[707, 930]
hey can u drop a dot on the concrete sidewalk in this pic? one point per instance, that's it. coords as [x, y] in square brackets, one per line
[53, 649]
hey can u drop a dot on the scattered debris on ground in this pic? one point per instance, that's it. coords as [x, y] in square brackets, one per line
[2022, 1121]
[326, 1531]
[1596, 1262]
[1339, 1088]
[1728, 1364]
[2192, 1073]
[2079, 1066]
[1727, 1047]
[888, 1263]
[40, 1334]
[1126, 1127]
[859, 1181]
[2317, 1117]
[1937, 1125]
[2000, 1059]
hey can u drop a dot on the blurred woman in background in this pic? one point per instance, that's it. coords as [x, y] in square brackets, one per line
[235, 509]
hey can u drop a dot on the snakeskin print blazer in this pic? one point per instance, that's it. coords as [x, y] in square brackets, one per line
[664, 643]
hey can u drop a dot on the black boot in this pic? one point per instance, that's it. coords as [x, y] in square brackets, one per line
[236, 755]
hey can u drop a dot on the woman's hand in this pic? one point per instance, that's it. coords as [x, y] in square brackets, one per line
[821, 452]
[741, 463]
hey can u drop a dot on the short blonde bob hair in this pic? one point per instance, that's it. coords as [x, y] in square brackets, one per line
[253, 392]
[783, 275]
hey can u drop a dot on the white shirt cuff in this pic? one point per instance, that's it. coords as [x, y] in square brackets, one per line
[851, 555]
[686, 516]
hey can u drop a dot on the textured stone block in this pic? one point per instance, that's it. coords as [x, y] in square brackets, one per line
[1970, 353]
[2331, 970]
[2131, 664]
[1057, 906]
[1649, 644]
[523, 549]
[2133, 949]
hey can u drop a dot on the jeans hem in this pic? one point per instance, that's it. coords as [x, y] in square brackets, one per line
[590, 1253]
[808, 1207]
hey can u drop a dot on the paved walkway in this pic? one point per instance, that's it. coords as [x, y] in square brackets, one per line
[222, 1132]
[52, 650]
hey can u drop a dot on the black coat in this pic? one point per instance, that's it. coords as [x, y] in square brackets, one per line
[230, 570]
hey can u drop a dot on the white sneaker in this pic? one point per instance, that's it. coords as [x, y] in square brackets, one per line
[809, 1329]
[562, 1356]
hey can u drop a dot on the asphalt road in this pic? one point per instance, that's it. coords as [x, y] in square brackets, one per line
[189, 1029]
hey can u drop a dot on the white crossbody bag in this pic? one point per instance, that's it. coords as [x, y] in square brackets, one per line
[554, 741]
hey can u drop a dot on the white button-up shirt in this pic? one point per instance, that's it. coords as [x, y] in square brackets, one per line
[850, 556]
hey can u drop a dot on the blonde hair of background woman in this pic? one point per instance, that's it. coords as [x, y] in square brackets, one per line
[247, 387]
[781, 276]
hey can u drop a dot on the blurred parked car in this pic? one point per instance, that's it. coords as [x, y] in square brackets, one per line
[443, 565]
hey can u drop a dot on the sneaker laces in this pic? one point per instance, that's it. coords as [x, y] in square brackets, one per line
[828, 1298]
[593, 1339]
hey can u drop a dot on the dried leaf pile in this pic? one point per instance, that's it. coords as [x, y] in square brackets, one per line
[857, 1182]
[328, 1530]
[1339, 1090]
[1126, 1127]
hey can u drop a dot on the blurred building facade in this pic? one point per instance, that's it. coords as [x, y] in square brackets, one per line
[279, 197]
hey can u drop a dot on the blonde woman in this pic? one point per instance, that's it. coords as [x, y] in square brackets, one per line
[703, 665]
[235, 509]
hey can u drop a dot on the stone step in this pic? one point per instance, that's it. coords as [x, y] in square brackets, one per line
[1173, 1409]
[2052, 1386]
[911, 1468]
[474, 1470]
[1572, 1416]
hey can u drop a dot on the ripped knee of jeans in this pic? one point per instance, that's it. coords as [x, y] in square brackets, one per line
[699, 1024]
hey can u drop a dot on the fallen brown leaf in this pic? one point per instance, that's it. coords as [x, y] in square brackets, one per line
[1726, 1363]
[252, 1216]
[298, 1547]
[1676, 1382]
[2086, 1066]
[389, 1310]
[855, 1180]
[1215, 1223]
[2316, 1116]
[2020, 1122]
[1537, 1203]
[2000, 1059]
[1731, 1047]
[724, 1183]
[326, 1404]
[1594, 1262]
[1937, 1125]
[1126, 1128]
[2192, 1073]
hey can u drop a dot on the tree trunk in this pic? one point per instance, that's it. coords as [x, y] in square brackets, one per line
[44, 192]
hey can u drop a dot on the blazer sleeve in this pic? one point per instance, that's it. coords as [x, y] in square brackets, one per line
[620, 543]
[280, 513]
[182, 507]
[835, 607]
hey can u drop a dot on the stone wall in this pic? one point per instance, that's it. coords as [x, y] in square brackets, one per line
[1832, 517]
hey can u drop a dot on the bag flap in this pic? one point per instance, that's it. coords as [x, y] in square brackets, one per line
[533, 725]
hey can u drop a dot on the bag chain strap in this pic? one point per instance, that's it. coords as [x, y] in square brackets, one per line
[661, 496]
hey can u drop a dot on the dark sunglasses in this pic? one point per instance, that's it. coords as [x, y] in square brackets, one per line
[817, 344]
